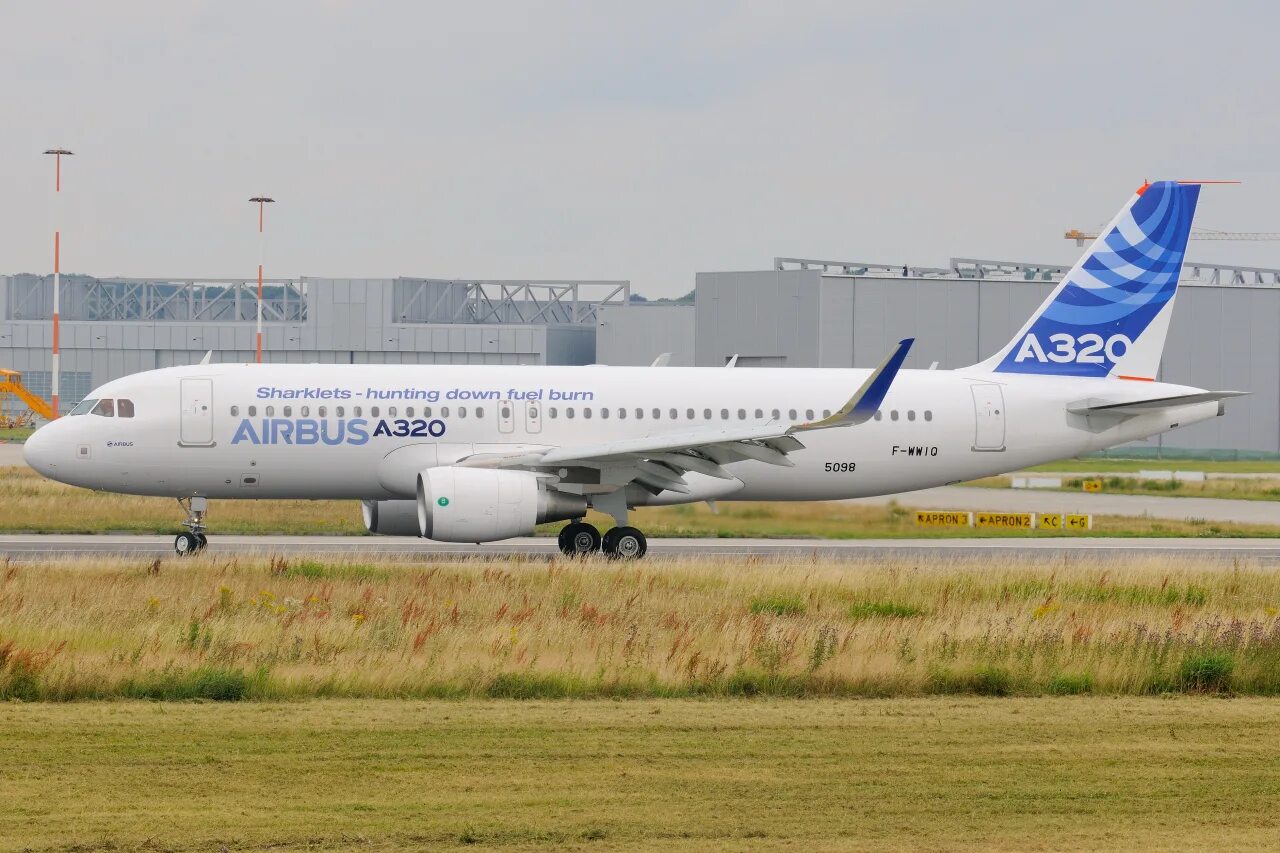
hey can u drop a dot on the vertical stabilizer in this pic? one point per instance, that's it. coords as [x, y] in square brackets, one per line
[1110, 313]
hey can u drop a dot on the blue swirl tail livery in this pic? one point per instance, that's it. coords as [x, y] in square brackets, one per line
[1110, 313]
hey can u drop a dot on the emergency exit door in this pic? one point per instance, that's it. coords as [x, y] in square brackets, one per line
[988, 413]
[196, 426]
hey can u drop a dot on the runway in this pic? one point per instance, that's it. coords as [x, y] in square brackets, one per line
[25, 547]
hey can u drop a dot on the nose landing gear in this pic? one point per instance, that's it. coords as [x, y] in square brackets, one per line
[194, 540]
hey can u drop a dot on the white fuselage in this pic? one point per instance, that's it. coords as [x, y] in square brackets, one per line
[365, 431]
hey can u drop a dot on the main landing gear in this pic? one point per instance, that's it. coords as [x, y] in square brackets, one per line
[580, 539]
[194, 540]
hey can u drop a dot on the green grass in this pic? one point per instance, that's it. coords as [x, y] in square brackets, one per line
[22, 434]
[1131, 466]
[1076, 772]
[1248, 489]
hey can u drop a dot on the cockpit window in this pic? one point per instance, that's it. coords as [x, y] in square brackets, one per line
[83, 408]
[124, 408]
[105, 408]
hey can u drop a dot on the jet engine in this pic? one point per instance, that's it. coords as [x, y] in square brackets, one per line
[391, 518]
[457, 504]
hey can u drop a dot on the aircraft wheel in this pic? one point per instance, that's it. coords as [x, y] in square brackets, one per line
[625, 543]
[204, 541]
[579, 539]
[186, 544]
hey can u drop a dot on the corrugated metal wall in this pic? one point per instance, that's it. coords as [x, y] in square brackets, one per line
[638, 334]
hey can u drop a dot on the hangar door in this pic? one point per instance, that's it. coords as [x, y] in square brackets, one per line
[988, 413]
[196, 428]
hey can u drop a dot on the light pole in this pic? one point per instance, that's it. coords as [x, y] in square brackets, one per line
[56, 378]
[262, 202]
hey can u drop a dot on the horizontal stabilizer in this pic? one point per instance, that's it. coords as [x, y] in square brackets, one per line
[1095, 406]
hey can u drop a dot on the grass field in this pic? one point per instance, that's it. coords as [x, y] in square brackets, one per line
[31, 503]
[266, 628]
[1132, 466]
[1068, 773]
[21, 434]
[1250, 489]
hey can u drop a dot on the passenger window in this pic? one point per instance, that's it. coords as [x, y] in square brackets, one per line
[479, 411]
[306, 411]
[444, 412]
[893, 415]
[568, 413]
[339, 411]
[879, 415]
[552, 411]
[604, 412]
[657, 413]
[271, 410]
[724, 414]
[911, 414]
[622, 413]
[408, 412]
[373, 411]
[673, 414]
[253, 411]
[105, 409]
[777, 415]
[639, 414]
[235, 411]
[288, 411]
[759, 413]
[689, 414]
[706, 414]
[742, 414]
[808, 414]
[462, 411]
[928, 415]
[356, 410]
[791, 414]
[322, 411]
[124, 408]
[826, 413]
[426, 411]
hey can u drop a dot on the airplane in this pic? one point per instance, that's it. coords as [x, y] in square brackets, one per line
[476, 454]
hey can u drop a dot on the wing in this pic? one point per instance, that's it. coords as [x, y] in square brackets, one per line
[660, 462]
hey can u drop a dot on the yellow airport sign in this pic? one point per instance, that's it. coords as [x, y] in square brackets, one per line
[943, 518]
[1092, 485]
[1063, 521]
[1006, 520]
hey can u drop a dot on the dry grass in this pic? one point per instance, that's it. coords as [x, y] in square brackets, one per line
[1248, 489]
[941, 773]
[30, 503]
[253, 628]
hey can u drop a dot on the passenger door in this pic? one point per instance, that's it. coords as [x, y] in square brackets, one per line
[196, 418]
[506, 416]
[533, 416]
[988, 412]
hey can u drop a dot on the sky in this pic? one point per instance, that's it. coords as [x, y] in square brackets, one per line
[607, 140]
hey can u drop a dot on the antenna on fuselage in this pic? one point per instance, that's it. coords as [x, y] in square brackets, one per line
[208, 357]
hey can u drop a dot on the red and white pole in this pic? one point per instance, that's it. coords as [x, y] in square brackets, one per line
[262, 203]
[56, 366]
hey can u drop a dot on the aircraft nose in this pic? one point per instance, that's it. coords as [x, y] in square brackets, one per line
[39, 451]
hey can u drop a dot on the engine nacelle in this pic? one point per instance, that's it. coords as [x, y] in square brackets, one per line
[457, 504]
[391, 518]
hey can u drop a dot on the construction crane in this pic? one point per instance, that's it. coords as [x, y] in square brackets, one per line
[1196, 234]
[11, 383]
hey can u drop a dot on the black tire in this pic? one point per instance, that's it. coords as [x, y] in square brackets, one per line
[186, 544]
[204, 541]
[625, 543]
[579, 540]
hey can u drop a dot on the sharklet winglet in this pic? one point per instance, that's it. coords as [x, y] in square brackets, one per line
[863, 405]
